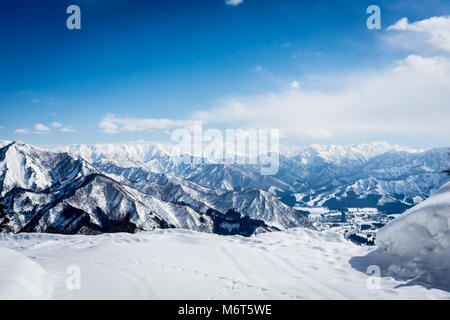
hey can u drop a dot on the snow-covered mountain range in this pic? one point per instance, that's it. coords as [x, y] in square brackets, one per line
[143, 186]
[389, 177]
[58, 192]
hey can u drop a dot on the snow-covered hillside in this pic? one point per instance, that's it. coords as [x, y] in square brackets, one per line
[21, 277]
[420, 239]
[179, 264]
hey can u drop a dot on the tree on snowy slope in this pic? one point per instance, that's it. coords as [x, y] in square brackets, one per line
[3, 218]
[448, 170]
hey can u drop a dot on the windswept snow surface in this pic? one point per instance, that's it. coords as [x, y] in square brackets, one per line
[420, 238]
[182, 264]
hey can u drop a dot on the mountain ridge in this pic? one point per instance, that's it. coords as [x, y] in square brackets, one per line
[58, 193]
[398, 177]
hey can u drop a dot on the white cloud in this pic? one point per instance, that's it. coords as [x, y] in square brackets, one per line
[23, 131]
[295, 85]
[67, 129]
[41, 128]
[1, 127]
[409, 98]
[113, 125]
[233, 2]
[434, 32]
[59, 125]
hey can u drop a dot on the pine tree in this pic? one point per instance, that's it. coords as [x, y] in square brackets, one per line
[448, 170]
[3, 218]
[2, 208]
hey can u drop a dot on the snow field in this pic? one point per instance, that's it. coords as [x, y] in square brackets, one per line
[180, 264]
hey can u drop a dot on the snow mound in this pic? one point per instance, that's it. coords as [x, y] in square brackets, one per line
[24, 278]
[421, 238]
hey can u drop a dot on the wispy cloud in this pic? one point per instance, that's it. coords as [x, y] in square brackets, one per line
[306, 53]
[111, 124]
[258, 68]
[67, 129]
[23, 131]
[40, 128]
[59, 126]
[44, 100]
[234, 3]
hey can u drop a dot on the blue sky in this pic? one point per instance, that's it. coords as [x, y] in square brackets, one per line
[183, 60]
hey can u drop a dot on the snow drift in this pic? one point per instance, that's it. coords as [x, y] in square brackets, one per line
[420, 237]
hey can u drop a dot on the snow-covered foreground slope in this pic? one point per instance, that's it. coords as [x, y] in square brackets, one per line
[21, 278]
[181, 264]
[420, 238]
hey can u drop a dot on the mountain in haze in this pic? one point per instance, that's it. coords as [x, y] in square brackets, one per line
[388, 177]
[60, 193]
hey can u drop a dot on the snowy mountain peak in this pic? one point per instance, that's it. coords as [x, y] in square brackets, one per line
[28, 167]
[145, 151]
[132, 152]
[358, 152]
